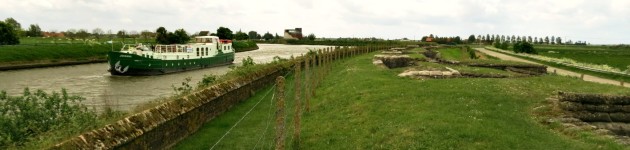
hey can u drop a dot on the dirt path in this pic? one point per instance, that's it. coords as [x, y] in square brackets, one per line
[552, 69]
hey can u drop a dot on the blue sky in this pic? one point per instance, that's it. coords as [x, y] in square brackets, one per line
[598, 22]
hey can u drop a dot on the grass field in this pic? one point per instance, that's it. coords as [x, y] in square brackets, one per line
[361, 106]
[47, 50]
[617, 57]
[16, 54]
[593, 73]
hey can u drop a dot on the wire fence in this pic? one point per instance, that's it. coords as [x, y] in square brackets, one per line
[295, 92]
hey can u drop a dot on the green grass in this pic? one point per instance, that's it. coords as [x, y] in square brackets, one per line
[45, 50]
[256, 130]
[454, 53]
[593, 73]
[360, 106]
[241, 46]
[36, 53]
[602, 55]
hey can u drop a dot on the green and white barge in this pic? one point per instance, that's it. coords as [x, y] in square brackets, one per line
[138, 59]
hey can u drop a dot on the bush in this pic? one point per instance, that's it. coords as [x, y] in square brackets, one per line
[32, 114]
[248, 62]
[524, 47]
[8, 35]
[241, 46]
[501, 45]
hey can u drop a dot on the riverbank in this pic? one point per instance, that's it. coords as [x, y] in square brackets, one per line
[15, 57]
[362, 106]
[52, 63]
[243, 46]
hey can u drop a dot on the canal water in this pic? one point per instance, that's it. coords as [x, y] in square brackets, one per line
[124, 93]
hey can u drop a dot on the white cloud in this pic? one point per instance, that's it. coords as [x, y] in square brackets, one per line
[603, 21]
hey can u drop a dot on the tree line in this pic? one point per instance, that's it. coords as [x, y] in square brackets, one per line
[490, 39]
[11, 31]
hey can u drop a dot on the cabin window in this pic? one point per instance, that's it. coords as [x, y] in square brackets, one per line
[197, 51]
[206, 51]
[187, 56]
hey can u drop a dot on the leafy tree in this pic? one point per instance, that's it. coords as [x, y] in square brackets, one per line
[241, 36]
[224, 33]
[457, 40]
[547, 40]
[268, 36]
[34, 31]
[162, 36]
[8, 35]
[252, 35]
[82, 33]
[71, 33]
[17, 27]
[180, 37]
[558, 40]
[146, 34]
[488, 38]
[471, 38]
[311, 37]
[258, 36]
[277, 36]
[97, 33]
[133, 34]
[122, 34]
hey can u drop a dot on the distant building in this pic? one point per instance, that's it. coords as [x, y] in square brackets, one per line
[293, 33]
[429, 39]
[53, 34]
[204, 33]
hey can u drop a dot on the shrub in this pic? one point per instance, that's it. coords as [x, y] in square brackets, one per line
[32, 114]
[248, 62]
[524, 47]
[207, 80]
[241, 46]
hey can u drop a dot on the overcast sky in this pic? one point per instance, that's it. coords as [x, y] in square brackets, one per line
[596, 21]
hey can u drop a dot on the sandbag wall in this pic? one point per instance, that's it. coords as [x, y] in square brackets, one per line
[610, 112]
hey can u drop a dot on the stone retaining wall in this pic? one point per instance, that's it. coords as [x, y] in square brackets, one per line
[163, 126]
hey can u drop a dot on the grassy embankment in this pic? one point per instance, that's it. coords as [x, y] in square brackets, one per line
[361, 106]
[242, 46]
[617, 57]
[58, 50]
[589, 54]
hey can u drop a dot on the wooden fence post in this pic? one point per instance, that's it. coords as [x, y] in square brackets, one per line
[298, 106]
[307, 83]
[582, 76]
[280, 136]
